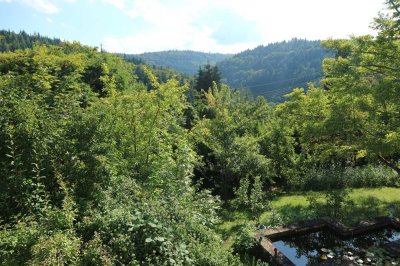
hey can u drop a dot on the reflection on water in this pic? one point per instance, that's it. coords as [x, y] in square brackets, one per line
[324, 246]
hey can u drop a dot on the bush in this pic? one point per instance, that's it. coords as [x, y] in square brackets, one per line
[333, 205]
[319, 179]
[251, 197]
[94, 253]
[371, 176]
[247, 246]
[58, 249]
[244, 242]
[15, 242]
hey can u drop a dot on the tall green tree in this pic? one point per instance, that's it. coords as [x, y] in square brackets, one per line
[365, 82]
[206, 77]
[229, 141]
[355, 116]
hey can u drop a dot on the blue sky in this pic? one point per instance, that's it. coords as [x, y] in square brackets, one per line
[228, 26]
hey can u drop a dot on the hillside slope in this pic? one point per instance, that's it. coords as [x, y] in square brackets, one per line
[275, 69]
[187, 62]
[270, 71]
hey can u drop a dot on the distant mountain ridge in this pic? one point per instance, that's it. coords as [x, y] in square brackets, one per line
[270, 71]
[187, 62]
[275, 69]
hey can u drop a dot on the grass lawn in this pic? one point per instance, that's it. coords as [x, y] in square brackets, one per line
[363, 203]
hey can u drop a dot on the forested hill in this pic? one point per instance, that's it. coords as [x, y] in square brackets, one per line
[274, 70]
[183, 61]
[11, 41]
[271, 71]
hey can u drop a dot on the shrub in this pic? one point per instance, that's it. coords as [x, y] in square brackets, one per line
[244, 242]
[250, 196]
[94, 253]
[57, 249]
[333, 204]
[319, 179]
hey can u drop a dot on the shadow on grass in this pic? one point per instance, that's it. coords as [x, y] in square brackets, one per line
[368, 208]
[233, 220]
[290, 211]
[293, 213]
[350, 212]
[226, 233]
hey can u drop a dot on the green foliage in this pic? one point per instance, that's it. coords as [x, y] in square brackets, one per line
[256, 198]
[278, 144]
[43, 115]
[335, 202]
[45, 238]
[319, 179]
[244, 242]
[251, 197]
[239, 139]
[229, 141]
[275, 219]
[15, 242]
[147, 77]
[162, 74]
[57, 249]
[242, 194]
[353, 120]
[97, 180]
[364, 94]
[95, 253]
[103, 162]
[105, 73]
[247, 246]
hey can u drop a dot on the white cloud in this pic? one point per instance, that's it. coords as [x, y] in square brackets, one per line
[44, 6]
[163, 40]
[49, 20]
[120, 4]
[313, 19]
[182, 24]
[173, 26]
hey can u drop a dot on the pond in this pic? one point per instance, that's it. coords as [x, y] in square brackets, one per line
[324, 246]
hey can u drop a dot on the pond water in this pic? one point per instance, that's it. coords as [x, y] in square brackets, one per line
[325, 247]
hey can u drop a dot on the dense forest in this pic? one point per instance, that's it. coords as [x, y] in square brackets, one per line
[274, 70]
[270, 71]
[187, 62]
[11, 41]
[109, 162]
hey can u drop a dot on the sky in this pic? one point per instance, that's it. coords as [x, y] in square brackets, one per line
[224, 26]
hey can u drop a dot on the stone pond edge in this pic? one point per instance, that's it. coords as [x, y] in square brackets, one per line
[267, 236]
